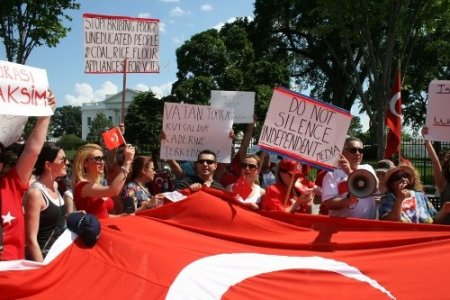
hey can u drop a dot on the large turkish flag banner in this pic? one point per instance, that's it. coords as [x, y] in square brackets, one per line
[208, 247]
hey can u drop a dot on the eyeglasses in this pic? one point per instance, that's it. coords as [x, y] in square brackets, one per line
[247, 165]
[98, 159]
[62, 161]
[399, 175]
[208, 161]
[354, 150]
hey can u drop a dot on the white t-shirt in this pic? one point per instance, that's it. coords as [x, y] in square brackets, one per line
[364, 209]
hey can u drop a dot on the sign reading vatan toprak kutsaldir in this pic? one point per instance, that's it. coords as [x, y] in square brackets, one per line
[438, 111]
[304, 128]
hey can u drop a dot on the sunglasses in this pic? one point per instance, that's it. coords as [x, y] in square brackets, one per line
[62, 160]
[98, 159]
[250, 166]
[354, 150]
[399, 175]
[207, 161]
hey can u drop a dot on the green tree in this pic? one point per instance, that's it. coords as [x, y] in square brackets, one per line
[348, 50]
[99, 124]
[66, 120]
[233, 58]
[25, 25]
[143, 121]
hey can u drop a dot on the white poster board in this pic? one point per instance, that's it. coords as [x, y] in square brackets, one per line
[189, 129]
[438, 111]
[23, 90]
[304, 129]
[109, 40]
[242, 104]
[11, 128]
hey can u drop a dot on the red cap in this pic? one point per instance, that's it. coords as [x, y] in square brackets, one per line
[290, 166]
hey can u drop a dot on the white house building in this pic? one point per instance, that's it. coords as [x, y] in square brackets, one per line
[111, 107]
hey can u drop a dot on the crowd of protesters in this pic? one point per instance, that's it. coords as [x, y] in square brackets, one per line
[38, 186]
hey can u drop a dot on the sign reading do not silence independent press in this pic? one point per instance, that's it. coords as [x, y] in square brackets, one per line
[109, 40]
[304, 128]
[189, 129]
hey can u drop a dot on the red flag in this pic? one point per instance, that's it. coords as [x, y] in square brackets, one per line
[242, 188]
[394, 119]
[113, 138]
[205, 247]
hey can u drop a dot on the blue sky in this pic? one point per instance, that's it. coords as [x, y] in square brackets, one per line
[179, 20]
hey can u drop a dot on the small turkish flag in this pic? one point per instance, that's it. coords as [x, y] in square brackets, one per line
[242, 188]
[113, 138]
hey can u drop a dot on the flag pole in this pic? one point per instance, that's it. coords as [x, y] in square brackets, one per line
[124, 87]
[399, 70]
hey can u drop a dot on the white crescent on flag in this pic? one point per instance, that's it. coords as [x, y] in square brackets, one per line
[397, 96]
[114, 138]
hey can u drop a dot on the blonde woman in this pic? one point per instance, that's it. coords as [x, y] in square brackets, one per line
[250, 172]
[89, 193]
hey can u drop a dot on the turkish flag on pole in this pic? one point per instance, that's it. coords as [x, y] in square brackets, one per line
[394, 119]
[113, 138]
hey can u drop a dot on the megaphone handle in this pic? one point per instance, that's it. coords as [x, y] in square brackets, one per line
[289, 189]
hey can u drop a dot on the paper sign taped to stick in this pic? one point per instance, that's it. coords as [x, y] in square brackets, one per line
[242, 103]
[189, 129]
[23, 90]
[109, 40]
[304, 128]
[11, 128]
[438, 111]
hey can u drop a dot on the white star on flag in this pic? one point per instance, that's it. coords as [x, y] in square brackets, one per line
[7, 218]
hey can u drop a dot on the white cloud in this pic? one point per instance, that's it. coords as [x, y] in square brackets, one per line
[230, 20]
[177, 40]
[178, 12]
[85, 93]
[170, 1]
[143, 15]
[159, 91]
[162, 26]
[206, 7]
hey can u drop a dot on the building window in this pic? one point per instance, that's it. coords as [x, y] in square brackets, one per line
[89, 121]
[110, 118]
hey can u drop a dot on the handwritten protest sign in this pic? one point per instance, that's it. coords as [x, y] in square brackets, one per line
[304, 128]
[438, 111]
[23, 90]
[11, 128]
[109, 40]
[190, 129]
[242, 103]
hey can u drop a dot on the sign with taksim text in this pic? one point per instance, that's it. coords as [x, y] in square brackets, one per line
[242, 103]
[23, 90]
[189, 129]
[110, 40]
[438, 111]
[304, 128]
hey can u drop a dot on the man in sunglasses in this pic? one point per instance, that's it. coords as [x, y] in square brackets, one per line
[335, 195]
[205, 166]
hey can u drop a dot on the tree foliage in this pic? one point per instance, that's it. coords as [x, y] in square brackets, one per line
[66, 120]
[349, 50]
[232, 58]
[25, 25]
[98, 125]
[143, 121]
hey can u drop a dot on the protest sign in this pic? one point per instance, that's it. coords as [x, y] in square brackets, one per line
[304, 128]
[109, 40]
[23, 90]
[189, 129]
[11, 128]
[438, 111]
[242, 103]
